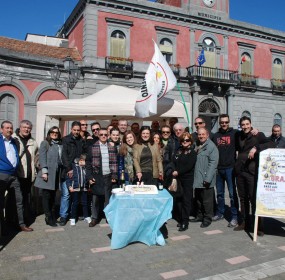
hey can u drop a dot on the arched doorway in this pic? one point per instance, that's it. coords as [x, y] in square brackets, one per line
[8, 109]
[209, 110]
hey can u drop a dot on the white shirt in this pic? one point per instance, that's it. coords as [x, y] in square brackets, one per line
[105, 158]
[10, 151]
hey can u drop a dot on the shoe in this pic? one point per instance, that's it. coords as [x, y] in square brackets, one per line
[87, 220]
[50, 221]
[240, 227]
[205, 224]
[26, 229]
[62, 221]
[233, 223]
[217, 218]
[183, 227]
[93, 223]
[72, 222]
[196, 220]
[179, 225]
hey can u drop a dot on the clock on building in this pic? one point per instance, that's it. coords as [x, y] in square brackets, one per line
[209, 3]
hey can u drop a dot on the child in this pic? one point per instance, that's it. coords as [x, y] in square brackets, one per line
[78, 186]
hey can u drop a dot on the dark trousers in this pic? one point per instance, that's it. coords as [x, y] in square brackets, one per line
[48, 198]
[185, 202]
[246, 186]
[11, 183]
[99, 202]
[26, 185]
[204, 199]
[147, 178]
[74, 203]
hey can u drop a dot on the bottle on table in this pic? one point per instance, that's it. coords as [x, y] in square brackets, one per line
[122, 179]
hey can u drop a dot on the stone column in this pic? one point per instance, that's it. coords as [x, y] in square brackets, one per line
[195, 107]
[226, 52]
[192, 47]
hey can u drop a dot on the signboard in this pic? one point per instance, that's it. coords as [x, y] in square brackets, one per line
[270, 196]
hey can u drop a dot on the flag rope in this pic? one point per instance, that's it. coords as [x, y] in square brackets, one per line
[185, 108]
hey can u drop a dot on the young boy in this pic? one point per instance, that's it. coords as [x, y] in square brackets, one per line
[78, 186]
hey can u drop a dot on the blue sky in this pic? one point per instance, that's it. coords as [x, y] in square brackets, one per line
[45, 17]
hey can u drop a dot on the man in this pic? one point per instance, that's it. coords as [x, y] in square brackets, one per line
[276, 139]
[205, 177]
[84, 133]
[224, 139]
[172, 121]
[72, 147]
[199, 123]
[28, 149]
[9, 161]
[246, 166]
[101, 160]
[122, 126]
[95, 127]
[135, 128]
[155, 127]
[165, 133]
[114, 122]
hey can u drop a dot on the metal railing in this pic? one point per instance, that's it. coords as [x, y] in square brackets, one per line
[118, 64]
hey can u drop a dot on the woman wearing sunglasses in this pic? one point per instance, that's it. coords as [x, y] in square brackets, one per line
[48, 178]
[147, 159]
[183, 170]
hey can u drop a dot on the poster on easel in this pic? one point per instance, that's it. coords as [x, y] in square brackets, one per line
[270, 194]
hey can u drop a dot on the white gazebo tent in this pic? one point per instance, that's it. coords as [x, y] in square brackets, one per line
[112, 101]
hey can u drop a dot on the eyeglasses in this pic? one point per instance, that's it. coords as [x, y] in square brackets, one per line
[224, 122]
[94, 129]
[54, 132]
[165, 132]
[186, 140]
[103, 134]
[198, 123]
[83, 124]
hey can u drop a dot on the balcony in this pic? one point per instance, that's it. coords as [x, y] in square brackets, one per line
[278, 86]
[119, 66]
[214, 75]
[247, 82]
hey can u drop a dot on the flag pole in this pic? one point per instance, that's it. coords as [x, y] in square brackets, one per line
[185, 108]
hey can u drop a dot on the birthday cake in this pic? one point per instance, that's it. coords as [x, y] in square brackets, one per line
[142, 189]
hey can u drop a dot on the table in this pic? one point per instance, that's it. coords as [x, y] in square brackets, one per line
[138, 218]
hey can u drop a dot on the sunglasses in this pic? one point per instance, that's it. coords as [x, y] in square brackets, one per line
[103, 134]
[165, 132]
[198, 123]
[83, 124]
[94, 129]
[224, 122]
[186, 140]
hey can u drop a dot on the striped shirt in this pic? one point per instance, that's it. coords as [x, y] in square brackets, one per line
[105, 158]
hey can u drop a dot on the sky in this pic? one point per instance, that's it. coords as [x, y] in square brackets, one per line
[45, 17]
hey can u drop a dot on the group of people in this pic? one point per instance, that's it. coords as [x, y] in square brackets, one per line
[86, 167]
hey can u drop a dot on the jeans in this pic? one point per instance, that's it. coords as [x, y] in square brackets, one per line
[75, 199]
[64, 201]
[226, 175]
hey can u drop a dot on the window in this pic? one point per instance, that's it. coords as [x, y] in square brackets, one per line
[209, 47]
[277, 119]
[118, 44]
[166, 48]
[8, 108]
[245, 62]
[277, 69]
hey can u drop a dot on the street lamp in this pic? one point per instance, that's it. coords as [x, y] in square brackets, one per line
[73, 74]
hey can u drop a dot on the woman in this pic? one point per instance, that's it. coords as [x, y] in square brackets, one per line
[48, 178]
[157, 139]
[183, 170]
[126, 161]
[147, 159]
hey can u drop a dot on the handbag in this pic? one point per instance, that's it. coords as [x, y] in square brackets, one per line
[98, 187]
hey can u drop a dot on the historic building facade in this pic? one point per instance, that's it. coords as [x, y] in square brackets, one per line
[111, 41]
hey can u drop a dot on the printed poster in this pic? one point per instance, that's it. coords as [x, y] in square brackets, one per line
[270, 196]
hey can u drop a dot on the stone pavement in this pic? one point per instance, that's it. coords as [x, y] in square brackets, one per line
[81, 252]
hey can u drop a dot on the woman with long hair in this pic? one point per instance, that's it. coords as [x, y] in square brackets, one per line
[126, 161]
[157, 139]
[147, 158]
[48, 177]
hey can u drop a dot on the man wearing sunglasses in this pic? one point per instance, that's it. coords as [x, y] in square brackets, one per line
[95, 127]
[200, 123]
[84, 133]
[101, 163]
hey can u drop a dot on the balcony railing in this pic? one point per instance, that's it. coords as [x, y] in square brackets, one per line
[247, 80]
[278, 85]
[214, 74]
[118, 65]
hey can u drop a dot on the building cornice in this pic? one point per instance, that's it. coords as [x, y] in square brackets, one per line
[119, 21]
[277, 51]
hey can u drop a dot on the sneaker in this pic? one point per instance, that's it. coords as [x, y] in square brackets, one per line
[233, 223]
[217, 218]
[87, 220]
[72, 222]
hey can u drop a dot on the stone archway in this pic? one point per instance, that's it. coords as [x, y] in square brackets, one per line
[209, 110]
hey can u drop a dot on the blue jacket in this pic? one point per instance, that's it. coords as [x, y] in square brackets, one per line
[5, 165]
[78, 180]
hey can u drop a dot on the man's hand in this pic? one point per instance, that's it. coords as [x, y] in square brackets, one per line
[139, 175]
[113, 180]
[45, 176]
[175, 173]
[254, 131]
[206, 184]
[251, 153]
[92, 181]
